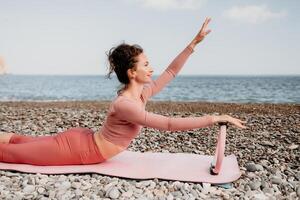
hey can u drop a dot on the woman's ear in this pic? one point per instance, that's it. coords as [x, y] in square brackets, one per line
[130, 73]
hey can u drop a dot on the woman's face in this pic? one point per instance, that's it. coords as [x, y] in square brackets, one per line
[142, 70]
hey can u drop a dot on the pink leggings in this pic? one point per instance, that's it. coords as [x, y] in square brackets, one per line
[71, 147]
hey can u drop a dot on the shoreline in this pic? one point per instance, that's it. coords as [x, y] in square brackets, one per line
[171, 106]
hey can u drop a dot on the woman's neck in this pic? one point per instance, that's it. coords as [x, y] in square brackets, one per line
[133, 91]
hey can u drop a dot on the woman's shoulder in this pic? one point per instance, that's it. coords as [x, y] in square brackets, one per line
[121, 101]
[123, 107]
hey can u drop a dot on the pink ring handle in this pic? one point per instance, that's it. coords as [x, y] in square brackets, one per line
[220, 149]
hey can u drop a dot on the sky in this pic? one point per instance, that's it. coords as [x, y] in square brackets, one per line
[72, 37]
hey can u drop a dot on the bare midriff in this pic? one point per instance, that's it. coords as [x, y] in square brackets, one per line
[106, 148]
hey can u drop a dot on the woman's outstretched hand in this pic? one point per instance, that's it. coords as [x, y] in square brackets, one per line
[226, 118]
[202, 33]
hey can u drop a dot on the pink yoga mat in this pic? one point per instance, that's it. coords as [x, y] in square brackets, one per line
[135, 165]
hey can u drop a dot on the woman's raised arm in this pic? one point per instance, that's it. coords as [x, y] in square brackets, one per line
[172, 70]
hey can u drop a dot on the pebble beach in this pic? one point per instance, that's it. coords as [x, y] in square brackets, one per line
[268, 151]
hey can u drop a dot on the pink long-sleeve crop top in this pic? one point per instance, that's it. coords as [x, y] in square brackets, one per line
[126, 116]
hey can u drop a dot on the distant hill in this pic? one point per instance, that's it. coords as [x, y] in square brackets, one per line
[3, 67]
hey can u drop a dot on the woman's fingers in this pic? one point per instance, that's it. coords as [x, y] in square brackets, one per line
[235, 121]
[206, 23]
[242, 121]
[207, 20]
[242, 126]
[207, 32]
[202, 33]
[238, 123]
[203, 25]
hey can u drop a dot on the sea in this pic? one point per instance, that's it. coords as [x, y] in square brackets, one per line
[188, 88]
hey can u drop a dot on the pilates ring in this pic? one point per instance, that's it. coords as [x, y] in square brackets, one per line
[216, 165]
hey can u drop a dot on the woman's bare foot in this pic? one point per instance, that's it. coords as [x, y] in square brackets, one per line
[5, 137]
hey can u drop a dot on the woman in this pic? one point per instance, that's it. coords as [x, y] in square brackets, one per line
[125, 118]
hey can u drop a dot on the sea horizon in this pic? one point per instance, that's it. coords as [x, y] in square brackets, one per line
[185, 88]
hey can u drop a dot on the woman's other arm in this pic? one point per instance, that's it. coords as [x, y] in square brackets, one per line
[127, 110]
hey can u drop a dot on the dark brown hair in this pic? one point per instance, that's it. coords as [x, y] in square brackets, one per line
[121, 58]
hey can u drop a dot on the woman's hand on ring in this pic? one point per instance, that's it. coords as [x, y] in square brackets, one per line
[226, 118]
